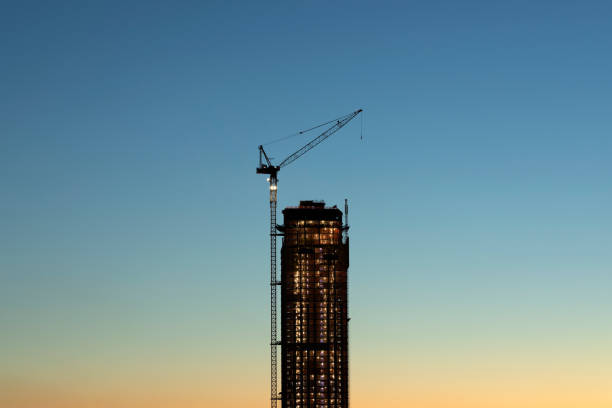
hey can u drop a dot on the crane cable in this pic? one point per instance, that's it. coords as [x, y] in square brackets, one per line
[301, 132]
[362, 114]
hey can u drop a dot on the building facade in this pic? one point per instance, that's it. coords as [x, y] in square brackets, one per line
[314, 307]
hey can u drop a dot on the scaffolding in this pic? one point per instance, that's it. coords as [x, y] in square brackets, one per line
[314, 307]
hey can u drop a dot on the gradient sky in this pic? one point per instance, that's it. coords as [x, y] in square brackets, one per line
[133, 228]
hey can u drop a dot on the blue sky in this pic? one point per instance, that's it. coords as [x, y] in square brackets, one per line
[480, 194]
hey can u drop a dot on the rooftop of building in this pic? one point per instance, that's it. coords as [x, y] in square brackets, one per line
[312, 210]
[311, 204]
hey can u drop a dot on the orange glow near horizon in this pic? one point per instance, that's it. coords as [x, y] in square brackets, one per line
[499, 385]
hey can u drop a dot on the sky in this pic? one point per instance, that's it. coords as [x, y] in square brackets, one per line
[133, 228]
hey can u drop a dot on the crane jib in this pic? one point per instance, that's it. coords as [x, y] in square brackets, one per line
[267, 167]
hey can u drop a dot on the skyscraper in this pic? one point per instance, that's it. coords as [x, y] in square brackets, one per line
[314, 307]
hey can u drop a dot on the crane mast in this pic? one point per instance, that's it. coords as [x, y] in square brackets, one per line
[266, 167]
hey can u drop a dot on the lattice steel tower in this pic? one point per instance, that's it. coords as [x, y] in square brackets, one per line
[314, 307]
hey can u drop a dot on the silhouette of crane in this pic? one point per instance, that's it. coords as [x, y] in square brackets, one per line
[268, 168]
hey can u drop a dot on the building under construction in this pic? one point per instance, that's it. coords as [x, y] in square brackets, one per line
[314, 307]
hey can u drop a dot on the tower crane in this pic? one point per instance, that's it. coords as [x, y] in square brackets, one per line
[266, 167]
